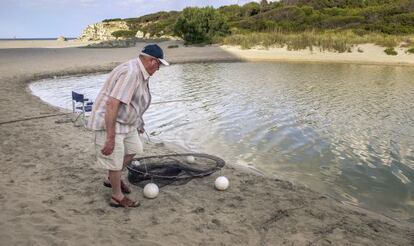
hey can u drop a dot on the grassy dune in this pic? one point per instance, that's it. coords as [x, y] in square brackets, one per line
[341, 41]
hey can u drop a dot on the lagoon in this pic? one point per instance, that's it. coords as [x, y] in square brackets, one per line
[341, 129]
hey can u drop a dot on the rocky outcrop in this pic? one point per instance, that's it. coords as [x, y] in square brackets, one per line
[61, 38]
[142, 35]
[102, 31]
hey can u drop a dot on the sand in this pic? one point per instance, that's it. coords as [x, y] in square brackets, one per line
[51, 194]
[15, 44]
[371, 54]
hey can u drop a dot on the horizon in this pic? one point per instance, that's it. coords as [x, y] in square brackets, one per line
[39, 19]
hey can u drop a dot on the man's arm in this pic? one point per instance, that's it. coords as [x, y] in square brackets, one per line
[111, 113]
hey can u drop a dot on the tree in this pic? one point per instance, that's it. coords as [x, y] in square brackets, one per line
[201, 25]
[250, 9]
[264, 5]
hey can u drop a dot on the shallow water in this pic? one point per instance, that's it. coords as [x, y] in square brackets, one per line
[345, 130]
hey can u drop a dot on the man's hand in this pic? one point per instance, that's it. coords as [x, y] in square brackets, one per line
[109, 146]
[141, 130]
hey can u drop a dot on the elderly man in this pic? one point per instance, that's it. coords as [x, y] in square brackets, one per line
[117, 118]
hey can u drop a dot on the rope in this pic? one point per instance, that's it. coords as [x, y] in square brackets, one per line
[53, 115]
[170, 101]
[33, 118]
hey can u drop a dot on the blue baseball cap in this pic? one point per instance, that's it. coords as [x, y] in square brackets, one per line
[154, 51]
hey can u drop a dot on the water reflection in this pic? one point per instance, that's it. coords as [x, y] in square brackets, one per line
[346, 130]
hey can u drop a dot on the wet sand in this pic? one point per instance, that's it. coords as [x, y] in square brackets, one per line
[51, 194]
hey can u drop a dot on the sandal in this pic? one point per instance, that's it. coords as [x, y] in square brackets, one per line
[125, 202]
[124, 187]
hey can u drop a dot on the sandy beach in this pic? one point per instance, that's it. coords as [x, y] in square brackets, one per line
[371, 54]
[52, 44]
[52, 195]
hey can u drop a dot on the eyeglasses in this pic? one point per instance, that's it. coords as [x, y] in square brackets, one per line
[158, 61]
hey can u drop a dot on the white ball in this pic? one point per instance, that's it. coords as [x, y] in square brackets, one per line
[221, 183]
[190, 159]
[135, 163]
[151, 190]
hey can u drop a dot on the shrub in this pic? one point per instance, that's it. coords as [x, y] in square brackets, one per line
[154, 17]
[342, 21]
[410, 50]
[250, 9]
[287, 13]
[257, 25]
[231, 12]
[200, 25]
[406, 19]
[109, 20]
[390, 51]
[124, 33]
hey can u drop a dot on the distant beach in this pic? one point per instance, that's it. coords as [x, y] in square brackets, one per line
[51, 194]
[33, 39]
[41, 43]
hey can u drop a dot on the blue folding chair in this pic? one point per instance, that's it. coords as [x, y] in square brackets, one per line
[80, 105]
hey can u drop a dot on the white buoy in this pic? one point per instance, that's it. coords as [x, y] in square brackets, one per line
[151, 190]
[190, 159]
[221, 183]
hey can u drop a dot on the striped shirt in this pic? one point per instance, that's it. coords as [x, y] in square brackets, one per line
[128, 83]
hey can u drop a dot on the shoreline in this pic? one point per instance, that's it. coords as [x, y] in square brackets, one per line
[371, 55]
[54, 196]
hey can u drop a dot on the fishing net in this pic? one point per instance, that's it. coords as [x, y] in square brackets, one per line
[174, 169]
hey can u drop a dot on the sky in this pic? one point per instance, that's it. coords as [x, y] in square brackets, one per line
[53, 18]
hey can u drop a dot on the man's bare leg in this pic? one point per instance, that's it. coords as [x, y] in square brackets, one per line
[115, 179]
[117, 195]
[127, 160]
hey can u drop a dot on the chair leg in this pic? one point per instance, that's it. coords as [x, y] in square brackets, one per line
[77, 117]
[82, 118]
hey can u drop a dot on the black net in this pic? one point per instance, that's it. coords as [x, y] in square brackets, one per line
[174, 169]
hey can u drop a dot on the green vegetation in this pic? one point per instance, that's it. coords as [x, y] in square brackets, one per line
[391, 51]
[156, 25]
[391, 17]
[109, 20]
[329, 24]
[340, 41]
[124, 34]
[410, 50]
[201, 25]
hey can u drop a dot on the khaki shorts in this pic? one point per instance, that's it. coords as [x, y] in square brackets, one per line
[125, 144]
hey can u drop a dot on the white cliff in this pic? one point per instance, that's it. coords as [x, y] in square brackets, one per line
[103, 30]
